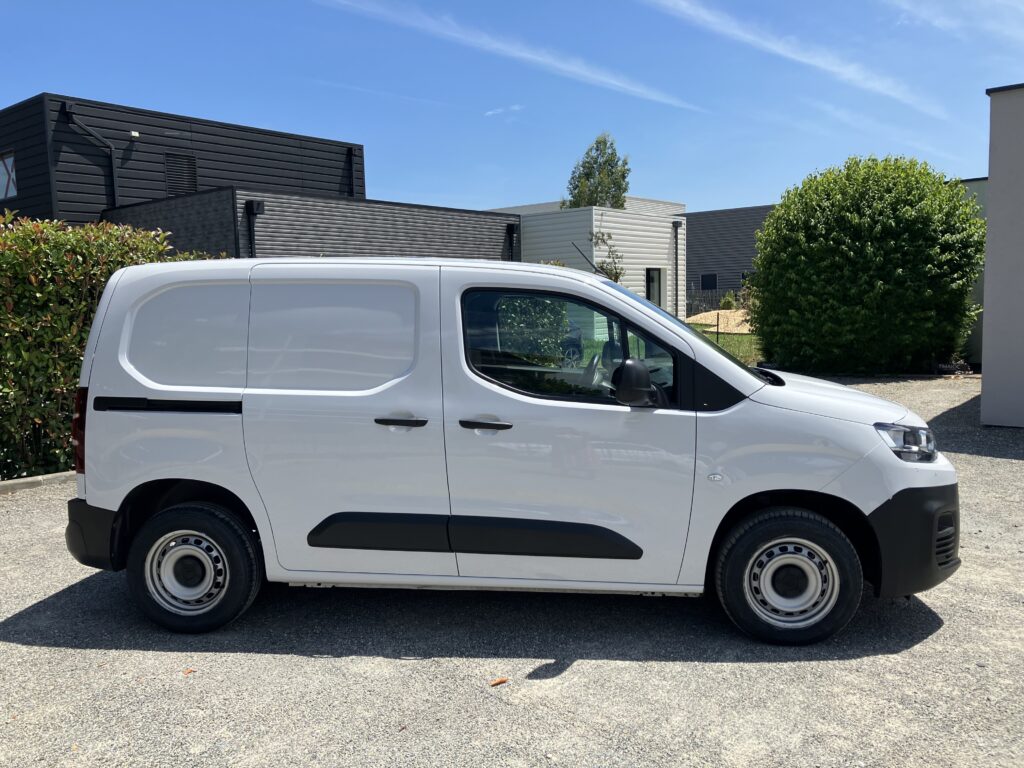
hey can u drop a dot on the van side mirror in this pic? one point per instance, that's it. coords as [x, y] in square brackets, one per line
[634, 384]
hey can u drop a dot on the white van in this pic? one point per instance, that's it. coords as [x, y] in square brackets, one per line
[458, 424]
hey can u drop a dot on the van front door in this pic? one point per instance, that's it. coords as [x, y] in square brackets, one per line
[342, 417]
[550, 477]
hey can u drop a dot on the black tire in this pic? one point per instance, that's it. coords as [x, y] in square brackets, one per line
[190, 547]
[813, 578]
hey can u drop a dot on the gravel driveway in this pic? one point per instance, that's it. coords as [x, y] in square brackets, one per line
[382, 677]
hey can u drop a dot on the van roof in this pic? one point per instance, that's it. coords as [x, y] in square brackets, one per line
[487, 264]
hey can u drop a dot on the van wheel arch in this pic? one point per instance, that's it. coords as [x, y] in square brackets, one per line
[149, 498]
[845, 516]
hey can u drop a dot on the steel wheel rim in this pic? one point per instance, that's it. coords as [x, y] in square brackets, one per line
[768, 583]
[186, 572]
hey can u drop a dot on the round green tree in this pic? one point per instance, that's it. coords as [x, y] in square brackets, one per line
[867, 268]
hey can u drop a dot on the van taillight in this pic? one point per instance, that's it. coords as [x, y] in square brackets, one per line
[78, 427]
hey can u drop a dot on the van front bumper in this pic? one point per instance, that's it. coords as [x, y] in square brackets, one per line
[918, 533]
[91, 535]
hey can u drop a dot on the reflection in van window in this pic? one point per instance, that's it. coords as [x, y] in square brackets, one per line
[542, 344]
[345, 336]
[192, 335]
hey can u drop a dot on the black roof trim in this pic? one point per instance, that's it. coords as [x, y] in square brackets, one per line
[203, 120]
[23, 102]
[1001, 88]
[347, 198]
[973, 178]
[724, 210]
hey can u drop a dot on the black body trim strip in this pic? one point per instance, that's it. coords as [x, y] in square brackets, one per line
[382, 530]
[470, 534]
[169, 406]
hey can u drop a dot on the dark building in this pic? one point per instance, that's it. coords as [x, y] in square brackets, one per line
[720, 247]
[219, 187]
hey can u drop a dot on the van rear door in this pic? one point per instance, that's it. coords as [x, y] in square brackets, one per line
[342, 417]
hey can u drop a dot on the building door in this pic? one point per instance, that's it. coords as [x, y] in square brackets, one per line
[655, 286]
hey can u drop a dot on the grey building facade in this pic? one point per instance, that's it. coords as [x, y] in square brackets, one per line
[219, 187]
[720, 247]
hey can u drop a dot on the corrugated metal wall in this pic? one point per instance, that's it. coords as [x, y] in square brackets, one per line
[654, 207]
[722, 242]
[643, 242]
[224, 155]
[23, 131]
[303, 225]
[549, 237]
[204, 221]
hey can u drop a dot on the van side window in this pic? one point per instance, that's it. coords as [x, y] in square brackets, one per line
[542, 344]
[191, 335]
[661, 363]
[341, 337]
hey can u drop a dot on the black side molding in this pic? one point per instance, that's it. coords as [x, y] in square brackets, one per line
[382, 530]
[470, 534]
[539, 538]
[170, 406]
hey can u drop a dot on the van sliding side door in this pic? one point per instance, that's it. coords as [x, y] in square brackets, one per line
[342, 417]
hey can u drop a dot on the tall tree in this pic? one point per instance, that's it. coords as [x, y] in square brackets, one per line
[600, 177]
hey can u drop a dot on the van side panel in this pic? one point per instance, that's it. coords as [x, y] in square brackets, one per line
[343, 417]
[168, 372]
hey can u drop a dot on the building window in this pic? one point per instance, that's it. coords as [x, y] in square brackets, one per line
[709, 282]
[654, 283]
[8, 181]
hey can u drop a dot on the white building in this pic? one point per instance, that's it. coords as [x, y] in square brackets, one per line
[649, 236]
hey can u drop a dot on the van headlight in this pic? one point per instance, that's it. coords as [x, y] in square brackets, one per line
[909, 443]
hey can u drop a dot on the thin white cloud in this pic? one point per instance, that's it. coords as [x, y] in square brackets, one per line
[992, 18]
[845, 70]
[866, 124]
[446, 28]
[504, 110]
[929, 13]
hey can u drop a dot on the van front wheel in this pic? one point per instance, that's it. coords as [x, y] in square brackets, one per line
[789, 576]
[193, 568]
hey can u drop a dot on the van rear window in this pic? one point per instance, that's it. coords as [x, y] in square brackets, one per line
[192, 335]
[336, 336]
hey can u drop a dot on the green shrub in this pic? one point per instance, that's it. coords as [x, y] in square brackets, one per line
[51, 278]
[867, 268]
[728, 301]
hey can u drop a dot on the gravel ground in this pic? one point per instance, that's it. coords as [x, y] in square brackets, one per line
[382, 677]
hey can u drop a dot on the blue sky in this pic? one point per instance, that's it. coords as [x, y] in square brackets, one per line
[483, 104]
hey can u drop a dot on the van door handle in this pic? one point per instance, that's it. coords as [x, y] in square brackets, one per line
[469, 424]
[401, 422]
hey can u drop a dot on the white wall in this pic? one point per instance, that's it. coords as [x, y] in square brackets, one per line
[645, 241]
[642, 240]
[1002, 402]
[549, 237]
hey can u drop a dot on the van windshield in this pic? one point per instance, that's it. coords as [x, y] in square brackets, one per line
[693, 336]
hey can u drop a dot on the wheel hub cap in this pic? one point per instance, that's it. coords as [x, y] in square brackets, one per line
[791, 583]
[186, 572]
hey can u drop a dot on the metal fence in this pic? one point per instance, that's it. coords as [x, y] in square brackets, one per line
[698, 301]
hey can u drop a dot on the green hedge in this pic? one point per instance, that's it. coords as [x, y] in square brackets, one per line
[867, 268]
[51, 278]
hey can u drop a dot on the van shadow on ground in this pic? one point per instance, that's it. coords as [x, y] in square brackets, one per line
[96, 613]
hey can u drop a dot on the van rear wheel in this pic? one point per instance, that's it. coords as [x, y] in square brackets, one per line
[193, 568]
[789, 576]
